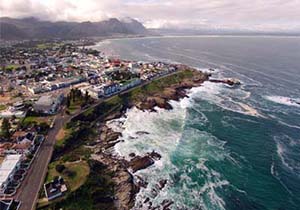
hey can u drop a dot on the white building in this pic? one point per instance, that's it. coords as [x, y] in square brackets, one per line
[7, 169]
[48, 104]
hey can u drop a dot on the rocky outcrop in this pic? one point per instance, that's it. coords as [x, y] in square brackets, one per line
[138, 163]
[230, 82]
[173, 92]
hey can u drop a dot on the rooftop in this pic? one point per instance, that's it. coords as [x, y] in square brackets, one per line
[46, 100]
[7, 166]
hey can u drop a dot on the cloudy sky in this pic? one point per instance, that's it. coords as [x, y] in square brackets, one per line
[233, 14]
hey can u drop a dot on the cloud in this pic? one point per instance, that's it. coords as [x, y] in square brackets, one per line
[242, 14]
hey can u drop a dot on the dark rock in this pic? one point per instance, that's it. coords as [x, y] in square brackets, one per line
[155, 155]
[142, 133]
[154, 192]
[132, 155]
[166, 204]
[113, 136]
[162, 183]
[140, 182]
[112, 144]
[139, 163]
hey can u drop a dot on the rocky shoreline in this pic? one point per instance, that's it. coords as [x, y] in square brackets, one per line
[127, 184]
[173, 92]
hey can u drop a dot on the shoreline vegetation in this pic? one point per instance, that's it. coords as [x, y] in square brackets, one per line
[110, 182]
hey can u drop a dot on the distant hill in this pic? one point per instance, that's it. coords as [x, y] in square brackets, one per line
[33, 28]
[211, 31]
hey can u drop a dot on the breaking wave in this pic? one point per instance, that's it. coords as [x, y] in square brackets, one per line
[284, 100]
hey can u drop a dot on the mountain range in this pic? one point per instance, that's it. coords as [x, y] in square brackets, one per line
[33, 28]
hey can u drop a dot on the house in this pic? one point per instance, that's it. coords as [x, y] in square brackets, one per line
[9, 205]
[95, 91]
[23, 147]
[131, 83]
[36, 89]
[11, 112]
[55, 188]
[19, 105]
[18, 135]
[48, 104]
[111, 89]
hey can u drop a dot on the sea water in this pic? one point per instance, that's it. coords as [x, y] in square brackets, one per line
[222, 148]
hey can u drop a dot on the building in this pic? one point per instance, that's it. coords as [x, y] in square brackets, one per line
[36, 89]
[131, 83]
[19, 105]
[48, 104]
[11, 111]
[7, 169]
[55, 188]
[95, 91]
[9, 205]
[111, 89]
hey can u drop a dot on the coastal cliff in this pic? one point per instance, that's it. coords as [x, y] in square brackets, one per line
[156, 94]
[117, 172]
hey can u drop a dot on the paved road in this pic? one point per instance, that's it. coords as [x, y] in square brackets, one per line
[29, 190]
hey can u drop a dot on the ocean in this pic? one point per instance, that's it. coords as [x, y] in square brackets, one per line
[222, 148]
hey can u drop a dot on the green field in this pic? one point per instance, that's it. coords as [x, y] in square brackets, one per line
[80, 169]
[2, 107]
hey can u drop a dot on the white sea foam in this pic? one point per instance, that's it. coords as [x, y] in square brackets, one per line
[225, 98]
[284, 100]
[165, 131]
[286, 148]
[287, 124]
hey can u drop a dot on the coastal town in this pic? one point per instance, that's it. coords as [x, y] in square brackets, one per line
[44, 86]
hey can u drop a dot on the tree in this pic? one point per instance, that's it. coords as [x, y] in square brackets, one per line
[86, 97]
[60, 168]
[68, 101]
[5, 128]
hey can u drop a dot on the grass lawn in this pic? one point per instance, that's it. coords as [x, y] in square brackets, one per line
[11, 67]
[74, 106]
[2, 107]
[81, 171]
[95, 193]
[33, 119]
[62, 135]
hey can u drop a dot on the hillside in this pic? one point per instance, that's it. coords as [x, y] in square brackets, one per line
[33, 28]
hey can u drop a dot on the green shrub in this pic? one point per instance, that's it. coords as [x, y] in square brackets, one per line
[60, 168]
[69, 173]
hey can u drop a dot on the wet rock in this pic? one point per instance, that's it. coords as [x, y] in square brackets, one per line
[132, 155]
[162, 183]
[154, 155]
[112, 136]
[147, 200]
[154, 192]
[140, 182]
[139, 163]
[166, 204]
[142, 133]
[111, 144]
